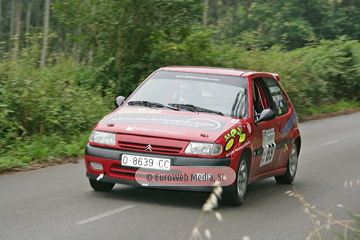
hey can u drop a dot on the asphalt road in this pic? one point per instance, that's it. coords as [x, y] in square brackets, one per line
[58, 203]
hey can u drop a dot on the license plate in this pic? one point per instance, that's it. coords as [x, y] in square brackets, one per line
[145, 162]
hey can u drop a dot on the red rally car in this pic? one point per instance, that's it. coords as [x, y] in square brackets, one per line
[188, 127]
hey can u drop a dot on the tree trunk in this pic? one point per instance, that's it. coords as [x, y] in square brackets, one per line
[247, 8]
[12, 22]
[205, 13]
[17, 30]
[91, 57]
[119, 53]
[0, 19]
[28, 18]
[46, 34]
[76, 46]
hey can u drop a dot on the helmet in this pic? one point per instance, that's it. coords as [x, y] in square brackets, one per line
[186, 92]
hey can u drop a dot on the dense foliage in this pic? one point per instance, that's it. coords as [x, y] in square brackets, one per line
[100, 49]
[44, 109]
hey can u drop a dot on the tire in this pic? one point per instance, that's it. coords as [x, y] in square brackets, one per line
[101, 186]
[291, 166]
[236, 194]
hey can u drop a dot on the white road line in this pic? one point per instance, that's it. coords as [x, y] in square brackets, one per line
[335, 141]
[105, 214]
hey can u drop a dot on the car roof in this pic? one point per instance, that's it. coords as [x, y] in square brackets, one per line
[217, 70]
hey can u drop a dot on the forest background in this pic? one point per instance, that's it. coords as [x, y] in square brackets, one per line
[63, 62]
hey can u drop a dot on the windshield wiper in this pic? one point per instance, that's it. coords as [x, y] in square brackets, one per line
[150, 105]
[193, 108]
[209, 111]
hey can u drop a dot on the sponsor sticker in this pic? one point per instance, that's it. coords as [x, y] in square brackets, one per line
[269, 146]
[230, 137]
[160, 119]
[286, 129]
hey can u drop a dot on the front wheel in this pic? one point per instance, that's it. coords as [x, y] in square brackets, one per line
[236, 194]
[291, 166]
[101, 186]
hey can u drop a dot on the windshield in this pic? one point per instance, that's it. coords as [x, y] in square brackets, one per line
[218, 94]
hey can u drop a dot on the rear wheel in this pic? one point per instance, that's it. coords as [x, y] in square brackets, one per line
[292, 164]
[236, 194]
[101, 186]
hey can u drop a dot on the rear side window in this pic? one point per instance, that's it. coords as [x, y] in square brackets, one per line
[277, 95]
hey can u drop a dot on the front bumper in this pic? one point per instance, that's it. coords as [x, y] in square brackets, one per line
[114, 172]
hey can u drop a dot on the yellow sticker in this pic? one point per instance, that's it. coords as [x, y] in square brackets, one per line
[229, 144]
[242, 137]
[286, 147]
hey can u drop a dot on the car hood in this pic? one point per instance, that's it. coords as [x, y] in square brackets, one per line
[165, 123]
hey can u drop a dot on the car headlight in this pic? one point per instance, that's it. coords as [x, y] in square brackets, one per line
[203, 148]
[107, 138]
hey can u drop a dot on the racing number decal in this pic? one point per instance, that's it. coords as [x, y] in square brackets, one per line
[269, 146]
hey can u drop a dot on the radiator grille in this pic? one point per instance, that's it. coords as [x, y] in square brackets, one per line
[132, 146]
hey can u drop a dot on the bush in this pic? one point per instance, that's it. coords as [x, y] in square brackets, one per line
[43, 110]
[48, 101]
[323, 73]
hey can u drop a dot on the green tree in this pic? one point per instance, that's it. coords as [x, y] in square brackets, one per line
[126, 30]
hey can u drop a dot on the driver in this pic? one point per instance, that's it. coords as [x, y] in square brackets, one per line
[186, 93]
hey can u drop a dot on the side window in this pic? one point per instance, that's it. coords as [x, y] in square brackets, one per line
[260, 98]
[277, 95]
[258, 106]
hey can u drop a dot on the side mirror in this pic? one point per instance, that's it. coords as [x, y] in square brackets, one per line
[266, 115]
[119, 100]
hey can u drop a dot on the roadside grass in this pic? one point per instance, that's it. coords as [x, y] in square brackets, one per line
[44, 150]
[346, 229]
[335, 107]
[207, 211]
[319, 111]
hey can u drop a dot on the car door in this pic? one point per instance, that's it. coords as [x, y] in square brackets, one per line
[285, 115]
[265, 152]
